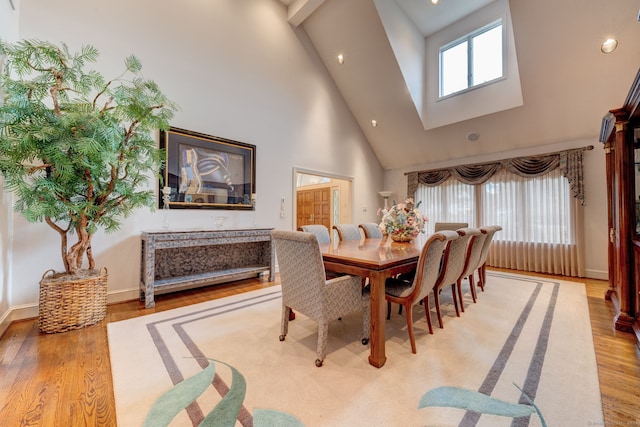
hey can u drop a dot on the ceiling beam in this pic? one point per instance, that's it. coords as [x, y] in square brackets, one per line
[300, 10]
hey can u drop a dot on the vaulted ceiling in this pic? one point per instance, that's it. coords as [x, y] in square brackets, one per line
[567, 84]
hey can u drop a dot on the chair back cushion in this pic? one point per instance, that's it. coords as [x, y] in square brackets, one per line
[371, 230]
[491, 231]
[321, 232]
[428, 268]
[348, 232]
[301, 270]
[454, 256]
[440, 226]
[474, 249]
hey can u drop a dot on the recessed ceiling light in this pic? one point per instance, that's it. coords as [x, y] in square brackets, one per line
[434, 1]
[473, 136]
[609, 45]
[340, 59]
[374, 123]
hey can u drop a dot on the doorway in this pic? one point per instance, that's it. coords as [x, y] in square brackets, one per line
[321, 198]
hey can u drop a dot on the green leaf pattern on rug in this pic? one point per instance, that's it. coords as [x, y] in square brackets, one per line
[224, 414]
[227, 410]
[455, 397]
[269, 418]
[179, 397]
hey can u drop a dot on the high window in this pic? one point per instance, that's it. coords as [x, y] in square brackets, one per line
[472, 60]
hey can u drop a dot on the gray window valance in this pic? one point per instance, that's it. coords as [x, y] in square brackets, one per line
[570, 163]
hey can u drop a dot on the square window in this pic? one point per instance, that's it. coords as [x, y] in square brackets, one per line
[487, 56]
[454, 66]
[472, 60]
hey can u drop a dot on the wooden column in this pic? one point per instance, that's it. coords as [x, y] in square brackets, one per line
[625, 183]
[619, 134]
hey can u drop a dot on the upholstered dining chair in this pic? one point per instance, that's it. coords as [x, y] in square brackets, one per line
[482, 273]
[472, 257]
[350, 232]
[410, 293]
[452, 268]
[321, 232]
[439, 226]
[371, 230]
[347, 232]
[305, 288]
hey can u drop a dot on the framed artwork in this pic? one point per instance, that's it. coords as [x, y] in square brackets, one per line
[207, 172]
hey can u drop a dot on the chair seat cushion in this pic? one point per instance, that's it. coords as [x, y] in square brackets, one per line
[406, 277]
[397, 287]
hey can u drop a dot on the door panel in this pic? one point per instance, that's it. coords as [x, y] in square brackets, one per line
[314, 207]
[304, 208]
[322, 207]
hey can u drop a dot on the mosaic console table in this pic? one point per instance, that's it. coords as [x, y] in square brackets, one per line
[177, 260]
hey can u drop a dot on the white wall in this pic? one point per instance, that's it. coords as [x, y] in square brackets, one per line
[595, 210]
[408, 46]
[238, 70]
[9, 20]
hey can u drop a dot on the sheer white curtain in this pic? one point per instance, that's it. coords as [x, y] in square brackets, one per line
[541, 221]
[451, 201]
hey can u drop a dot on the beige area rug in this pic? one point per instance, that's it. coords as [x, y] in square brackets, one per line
[524, 331]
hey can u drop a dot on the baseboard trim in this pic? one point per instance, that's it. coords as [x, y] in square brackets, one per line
[5, 321]
[123, 296]
[23, 312]
[31, 311]
[597, 274]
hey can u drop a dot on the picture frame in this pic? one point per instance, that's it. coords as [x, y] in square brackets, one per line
[206, 172]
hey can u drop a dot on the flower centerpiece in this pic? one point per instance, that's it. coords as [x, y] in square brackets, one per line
[403, 221]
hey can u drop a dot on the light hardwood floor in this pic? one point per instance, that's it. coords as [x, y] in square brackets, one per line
[65, 379]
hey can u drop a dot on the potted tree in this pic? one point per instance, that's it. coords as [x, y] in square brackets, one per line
[77, 151]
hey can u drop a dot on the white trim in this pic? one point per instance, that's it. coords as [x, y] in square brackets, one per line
[5, 321]
[27, 311]
[30, 311]
[468, 38]
[597, 274]
[123, 296]
[299, 10]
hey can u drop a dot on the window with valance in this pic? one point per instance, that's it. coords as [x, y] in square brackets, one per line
[570, 163]
[537, 200]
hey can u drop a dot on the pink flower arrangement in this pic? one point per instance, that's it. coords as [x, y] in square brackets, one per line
[403, 221]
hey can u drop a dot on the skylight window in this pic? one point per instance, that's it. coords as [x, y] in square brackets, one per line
[473, 60]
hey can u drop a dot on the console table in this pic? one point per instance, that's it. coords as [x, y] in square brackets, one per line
[177, 260]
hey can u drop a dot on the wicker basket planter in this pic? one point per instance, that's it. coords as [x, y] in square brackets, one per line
[68, 303]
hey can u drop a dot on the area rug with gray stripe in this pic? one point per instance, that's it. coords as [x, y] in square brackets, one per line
[521, 356]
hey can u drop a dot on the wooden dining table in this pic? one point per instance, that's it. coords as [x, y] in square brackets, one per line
[376, 259]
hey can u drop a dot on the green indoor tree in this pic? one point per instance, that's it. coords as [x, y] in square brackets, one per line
[77, 150]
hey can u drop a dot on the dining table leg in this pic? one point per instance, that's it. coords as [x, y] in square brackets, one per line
[377, 356]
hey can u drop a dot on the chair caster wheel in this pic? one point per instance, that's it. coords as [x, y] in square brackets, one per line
[281, 337]
[318, 363]
[365, 341]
